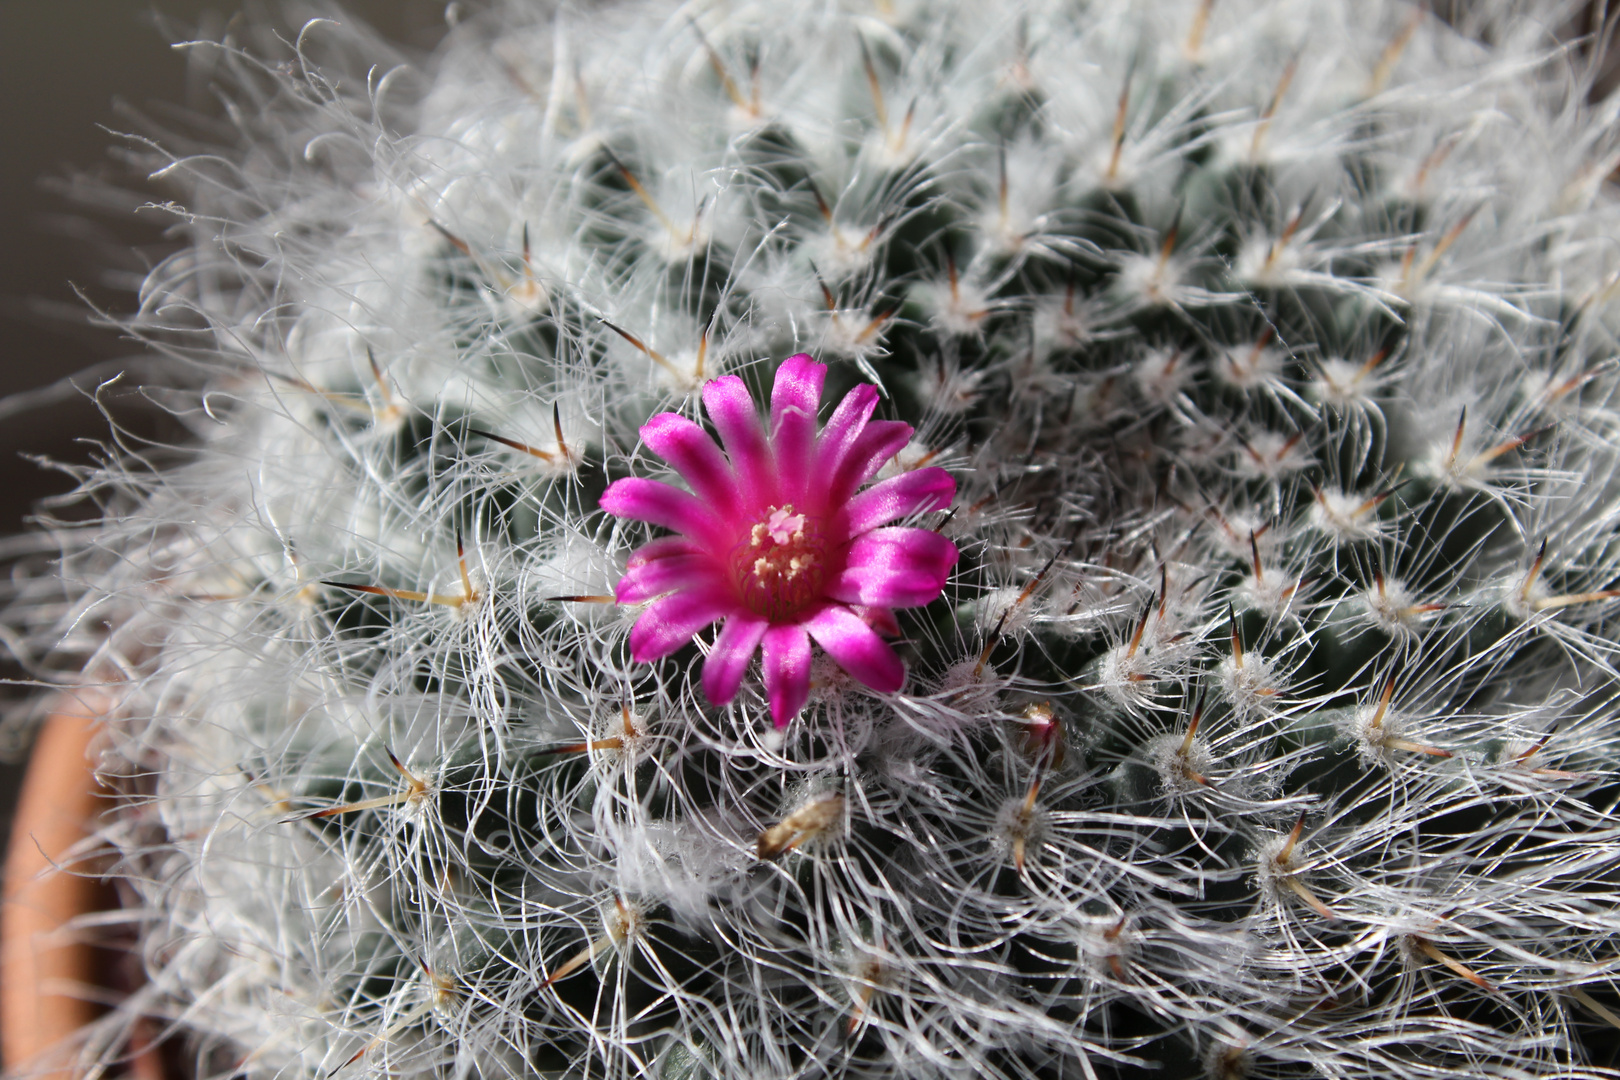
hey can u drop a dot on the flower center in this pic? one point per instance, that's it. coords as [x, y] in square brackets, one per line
[781, 566]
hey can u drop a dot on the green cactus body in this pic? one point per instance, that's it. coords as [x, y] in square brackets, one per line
[1265, 726]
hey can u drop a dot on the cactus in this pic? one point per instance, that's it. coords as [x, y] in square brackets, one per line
[1249, 712]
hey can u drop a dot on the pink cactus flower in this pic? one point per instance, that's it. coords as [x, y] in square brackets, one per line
[777, 539]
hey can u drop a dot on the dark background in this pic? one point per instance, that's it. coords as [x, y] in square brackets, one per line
[67, 66]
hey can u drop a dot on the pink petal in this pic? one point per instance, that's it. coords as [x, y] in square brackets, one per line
[693, 454]
[663, 548]
[670, 623]
[645, 560]
[733, 650]
[901, 589]
[857, 648]
[653, 577]
[880, 619]
[659, 504]
[894, 567]
[881, 440]
[794, 401]
[787, 671]
[843, 429]
[900, 496]
[731, 409]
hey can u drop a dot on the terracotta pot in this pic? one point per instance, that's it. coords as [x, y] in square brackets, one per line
[46, 964]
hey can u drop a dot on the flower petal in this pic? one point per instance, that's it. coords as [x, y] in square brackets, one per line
[669, 623]
[646, 500]
[880, 619]
[731, 409]
[894, 567]
[881, 440]
[647, 578]
[663, 548]
[693, 454]
[900, 496]
[857, 648]
[843, 429]
[787, 671]
[733, 650]
[794, 401]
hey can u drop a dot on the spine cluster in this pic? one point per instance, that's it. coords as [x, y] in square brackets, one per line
[1266, 724]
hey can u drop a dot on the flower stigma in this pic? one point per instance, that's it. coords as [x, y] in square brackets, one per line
[781, 568]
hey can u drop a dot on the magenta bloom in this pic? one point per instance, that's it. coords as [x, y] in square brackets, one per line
[775, 540]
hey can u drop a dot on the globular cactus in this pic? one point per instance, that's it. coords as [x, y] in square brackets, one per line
[1190, 639]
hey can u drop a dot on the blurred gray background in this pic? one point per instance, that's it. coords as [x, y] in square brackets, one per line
[67, 66]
